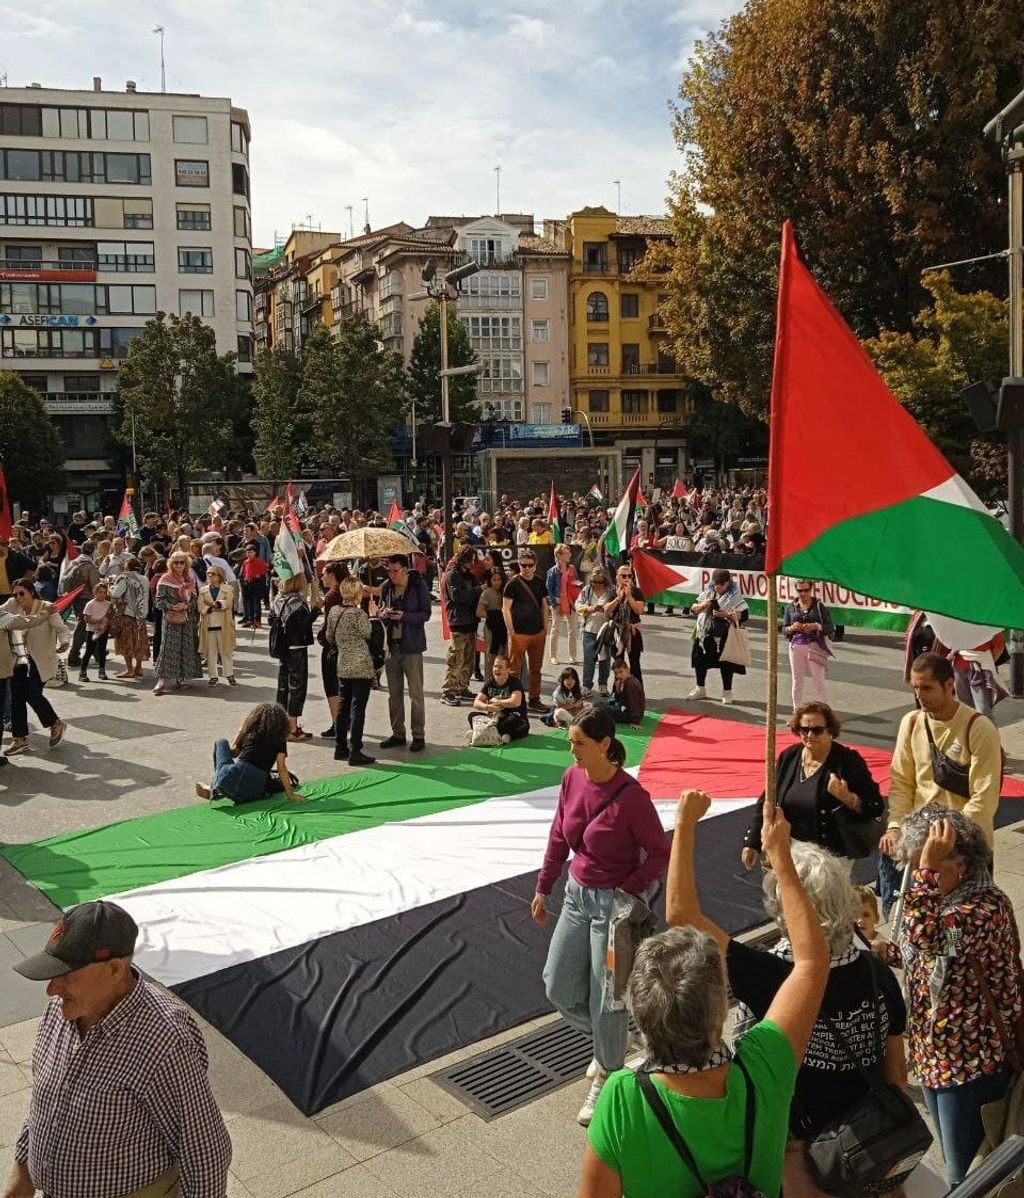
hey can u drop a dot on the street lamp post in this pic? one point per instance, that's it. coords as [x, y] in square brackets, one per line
[1007, 130]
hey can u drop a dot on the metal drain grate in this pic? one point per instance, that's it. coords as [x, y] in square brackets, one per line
[511, 1076]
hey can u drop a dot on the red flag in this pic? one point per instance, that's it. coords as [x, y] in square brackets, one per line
[679, 491]
[65, 601]
[6, 522]
[70, 548]
[274, 505]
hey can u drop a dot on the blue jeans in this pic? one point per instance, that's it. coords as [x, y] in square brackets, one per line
[238, 780]
[890, 879]
[956, 1114]
[590, 660]
[576, 969]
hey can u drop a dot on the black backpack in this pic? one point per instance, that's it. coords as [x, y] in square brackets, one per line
[729, 1187]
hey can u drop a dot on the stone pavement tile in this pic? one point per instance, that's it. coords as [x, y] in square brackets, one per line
[12, 1076]
[20, 999]
[13, 1109]
[236, 1189]
[117, 728]
[385, 1119]
[21, 900]
[439, 1164]
[356, 1182]
[295, 1176]
[238, 1085]
[275, 1136]
[9, 918]
[435, 1099]
[19, 1040]
[506, 1184]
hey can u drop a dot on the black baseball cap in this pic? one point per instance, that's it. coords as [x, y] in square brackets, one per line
[90, 932]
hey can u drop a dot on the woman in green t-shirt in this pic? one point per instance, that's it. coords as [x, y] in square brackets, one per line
[679, 997]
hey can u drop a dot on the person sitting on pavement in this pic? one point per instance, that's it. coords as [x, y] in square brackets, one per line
[121, 1102]
[501, 698]
[242, 767]
[727, 1106]
[567, 700]
[628, 701]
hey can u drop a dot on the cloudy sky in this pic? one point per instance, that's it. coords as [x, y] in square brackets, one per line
[411, 103]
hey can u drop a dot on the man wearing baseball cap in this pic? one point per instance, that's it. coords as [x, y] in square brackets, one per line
[121, 1105]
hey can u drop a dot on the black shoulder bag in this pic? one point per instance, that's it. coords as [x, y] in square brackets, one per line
[876, 1144]
[950, 774]
[738, 1186]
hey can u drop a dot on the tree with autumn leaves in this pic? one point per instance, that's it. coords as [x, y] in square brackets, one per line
[862, 121]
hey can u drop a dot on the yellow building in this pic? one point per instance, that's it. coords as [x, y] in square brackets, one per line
[623, 380]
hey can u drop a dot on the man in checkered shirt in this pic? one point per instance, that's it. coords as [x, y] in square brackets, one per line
[121, 1105]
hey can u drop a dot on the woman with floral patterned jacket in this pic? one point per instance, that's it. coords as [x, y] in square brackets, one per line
[957, 929]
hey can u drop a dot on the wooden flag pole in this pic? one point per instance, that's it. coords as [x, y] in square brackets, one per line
[772, 704]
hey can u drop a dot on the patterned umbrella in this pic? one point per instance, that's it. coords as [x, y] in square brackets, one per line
[367, 542]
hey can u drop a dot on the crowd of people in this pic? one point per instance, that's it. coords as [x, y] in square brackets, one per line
[826, 1028]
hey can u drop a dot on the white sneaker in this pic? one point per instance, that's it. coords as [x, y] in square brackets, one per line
[698, 692]
[593, 1069]
[593, 1094]
[727, 698]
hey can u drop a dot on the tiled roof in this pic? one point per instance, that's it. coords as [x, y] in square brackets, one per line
[530, 243]
[643, 226]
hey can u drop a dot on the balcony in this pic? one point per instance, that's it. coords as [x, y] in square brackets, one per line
[656, 324]
[311, 302]
[365, 269]
[78, 403]
[16, 270]
[390, 286]
[494, 261]
[658, 368]
[600, 267]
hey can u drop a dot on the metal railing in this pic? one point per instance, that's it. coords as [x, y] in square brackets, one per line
[45, 264]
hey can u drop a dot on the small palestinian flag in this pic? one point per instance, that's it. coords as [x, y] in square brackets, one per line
[395, 521]
[555, 515]
[654, 576]
[619, 534]
[595, 494]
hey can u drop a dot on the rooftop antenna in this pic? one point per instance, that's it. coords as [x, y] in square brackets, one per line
[351, 230]
[366, 214]
[497, 188]
[159, 31]
[618, 202]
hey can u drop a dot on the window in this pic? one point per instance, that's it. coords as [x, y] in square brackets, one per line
[70, 211]
[24, 253]
[538, 289]
[595, 258]
[138, 214]
[191, 172]
[67, 343]
[597, 353]
[541, 413]
[500, 372]
[190, 129]
[243, 264]
[597, 306]
[20, 119]
[630, 305]
[634, 403]
[541, 374]
[243, 306]
[242, 223]
[21, 164]
[597, 401]
[539, 330]
[492, 289]
[239, 180]
[193, 216]
[74, 166]
[194, 260]
[137, 300]
[629, 256]
[76, 253]
[631, 359]
[494, 332]
[118, 124]
[239, 141]
[82, 382]
[125, 256]
[245, 349]
[486, 250]
[112, 212]
[668, 401]
[198, 302]
[505, 409]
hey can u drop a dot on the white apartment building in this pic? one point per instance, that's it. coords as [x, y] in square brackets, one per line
[114, 206]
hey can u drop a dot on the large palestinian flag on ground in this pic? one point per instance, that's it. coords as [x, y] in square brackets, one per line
[857, 493]
[385, 921]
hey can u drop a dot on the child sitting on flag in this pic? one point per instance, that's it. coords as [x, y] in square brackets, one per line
[628, 701]
[566, 700]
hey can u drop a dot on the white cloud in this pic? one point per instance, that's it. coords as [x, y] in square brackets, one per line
[409, 102]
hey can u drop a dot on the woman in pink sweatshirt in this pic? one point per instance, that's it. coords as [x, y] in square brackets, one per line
[608, 821]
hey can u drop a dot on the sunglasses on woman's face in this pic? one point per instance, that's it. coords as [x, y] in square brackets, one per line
[21, 594]
[811, 729]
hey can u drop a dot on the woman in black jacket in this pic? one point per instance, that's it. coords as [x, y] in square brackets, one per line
[814, 780]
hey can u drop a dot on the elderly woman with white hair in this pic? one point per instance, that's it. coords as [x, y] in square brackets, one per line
[862, 996]
[958, 944]
[698, 1113]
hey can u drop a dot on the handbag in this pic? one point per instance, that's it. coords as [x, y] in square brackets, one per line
[115, 618]
[736, 650]
[176, 618]
[876, 1144]
[860, 836]
[483, 732]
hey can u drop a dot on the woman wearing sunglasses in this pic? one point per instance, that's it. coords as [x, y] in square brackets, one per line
[814, 779]
[807, 625]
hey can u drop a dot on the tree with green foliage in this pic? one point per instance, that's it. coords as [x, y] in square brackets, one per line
[862, 121]
[280, 425]
[424, 371]
[959, 339]
[30, 447]
[354, 392]
[720, 431]
[180, 395]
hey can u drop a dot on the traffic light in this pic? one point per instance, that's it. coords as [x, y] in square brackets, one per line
[567, 415]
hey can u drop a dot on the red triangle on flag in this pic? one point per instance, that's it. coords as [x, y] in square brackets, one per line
[679, 491]
[70, 548]
[654, 576]
[842, 445]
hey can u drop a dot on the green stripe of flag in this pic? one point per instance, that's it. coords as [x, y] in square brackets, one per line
[140, 852]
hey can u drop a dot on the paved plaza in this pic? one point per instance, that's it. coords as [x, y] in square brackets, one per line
[129, 753]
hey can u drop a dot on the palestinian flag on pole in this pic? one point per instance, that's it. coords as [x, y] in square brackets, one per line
[555, 515]
[395, 521]
[859, 495]
[127, 525]
[595, 494]
[679, 490]
[287, 561]
[618, 536]
[654, 576]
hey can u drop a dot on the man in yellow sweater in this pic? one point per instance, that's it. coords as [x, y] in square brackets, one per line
[969, 777]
